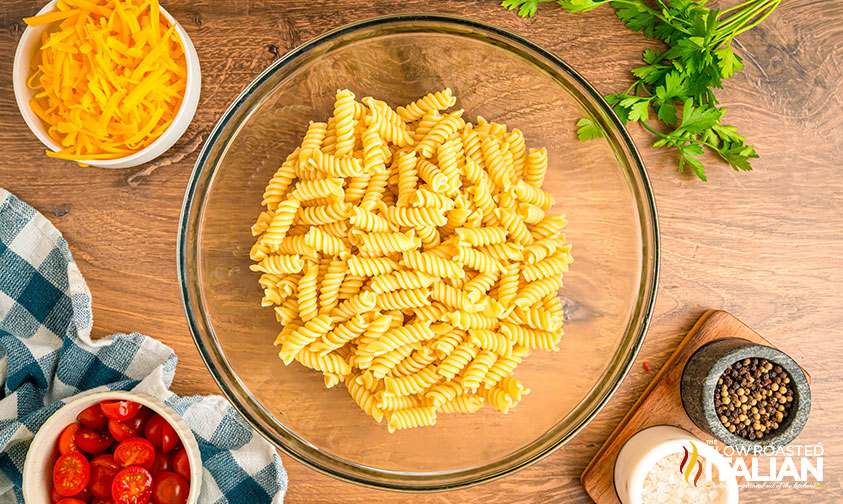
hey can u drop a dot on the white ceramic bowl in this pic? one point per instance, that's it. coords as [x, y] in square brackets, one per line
[42, 455]
[26, 50]
[643, 450]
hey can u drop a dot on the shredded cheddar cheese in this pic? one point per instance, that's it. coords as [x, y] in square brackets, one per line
[109, 76]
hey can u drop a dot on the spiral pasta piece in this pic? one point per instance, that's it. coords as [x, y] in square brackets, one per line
[424, 197]
[500, 173]
[313, 138]
[371, 266]
[478, 260]
[401, 280]
[340, 335]
[518, 149]
[335, 166]
[537, 290]
[465, 321]
[375, 190]
[536, 167]
[324, 214]
[505, 366]
[456, 299]
[319, 188]
[445, 344]
[497, 398]
[415, 362]
[530, 214]
[308, 306]
[364, 399]
[514, 226]
[457, 360]
[551, 266]
[344, 122]
[368, 221]
[428, 263]
[531, 338]
[490, 340]
[431, 102]
[550, 226]
[304, 336]
[393, 403]
[276, 189]
[388, 243]
[529, 194]
[279, 264]
[359, 303]
[411, 384]
[324, 242]
[328, 363]
[389, 130]
[433, 176]
[285, 213]
[444, 392]
[407, 176]
[483, 282]
[411, 417]
[479, 237]
[403, 216]
[449, 156]
[403, 299]
[444, 129]
[401, 336]
[462, 404]
[382, 365]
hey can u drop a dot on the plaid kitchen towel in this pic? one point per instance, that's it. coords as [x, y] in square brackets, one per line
[47, 357]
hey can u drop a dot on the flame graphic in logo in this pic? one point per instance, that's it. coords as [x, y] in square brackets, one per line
[686, 467]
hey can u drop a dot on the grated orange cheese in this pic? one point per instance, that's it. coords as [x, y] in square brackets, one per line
[109, 76]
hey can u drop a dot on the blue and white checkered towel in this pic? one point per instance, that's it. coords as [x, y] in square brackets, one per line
[47, 357]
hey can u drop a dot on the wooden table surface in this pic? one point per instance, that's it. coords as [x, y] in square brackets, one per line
[766, 246]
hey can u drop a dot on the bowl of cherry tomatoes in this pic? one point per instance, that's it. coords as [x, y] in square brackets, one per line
[113, 448]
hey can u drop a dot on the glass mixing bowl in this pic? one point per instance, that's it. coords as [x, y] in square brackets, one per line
[601, 185]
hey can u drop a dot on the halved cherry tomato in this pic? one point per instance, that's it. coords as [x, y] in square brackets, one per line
[163, 463]
[132, 485]
[161, 434]
[67, 439]
[170, 488]
[103, 470]
[181, 465]
[92, 441]
[106, 460]
[119, 410]
[71, 474]
[84, 496]
[135, 452]
[92, 417]
[132, 427]
[70, 500]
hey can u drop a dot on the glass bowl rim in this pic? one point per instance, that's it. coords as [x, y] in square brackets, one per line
[359, 472]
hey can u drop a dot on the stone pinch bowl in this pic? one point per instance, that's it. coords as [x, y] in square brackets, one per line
[699, 383]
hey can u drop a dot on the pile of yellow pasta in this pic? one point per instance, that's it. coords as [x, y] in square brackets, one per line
[408, 254]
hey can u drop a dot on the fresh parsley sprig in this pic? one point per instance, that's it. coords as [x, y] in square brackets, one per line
[678, 83]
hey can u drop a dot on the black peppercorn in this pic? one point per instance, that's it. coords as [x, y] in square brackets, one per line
[752, 398]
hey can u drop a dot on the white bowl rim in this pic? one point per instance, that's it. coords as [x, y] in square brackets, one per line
[36, 125]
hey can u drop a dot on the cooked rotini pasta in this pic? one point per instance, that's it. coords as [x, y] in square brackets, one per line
[413, 257]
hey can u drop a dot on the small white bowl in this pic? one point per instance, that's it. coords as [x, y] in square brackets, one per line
[647, 447]
[42, 455]
[29, 44]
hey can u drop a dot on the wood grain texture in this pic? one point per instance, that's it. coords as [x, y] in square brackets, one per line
[661, 403]
[766, 246]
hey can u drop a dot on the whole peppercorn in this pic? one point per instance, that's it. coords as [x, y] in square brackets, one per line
[752, 398]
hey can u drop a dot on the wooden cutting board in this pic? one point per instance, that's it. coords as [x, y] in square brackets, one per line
[661, 404]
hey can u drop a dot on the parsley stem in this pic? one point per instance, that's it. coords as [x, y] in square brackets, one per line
[684, 139]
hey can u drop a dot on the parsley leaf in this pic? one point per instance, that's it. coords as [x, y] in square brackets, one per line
[588, 129]
[526, 8]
